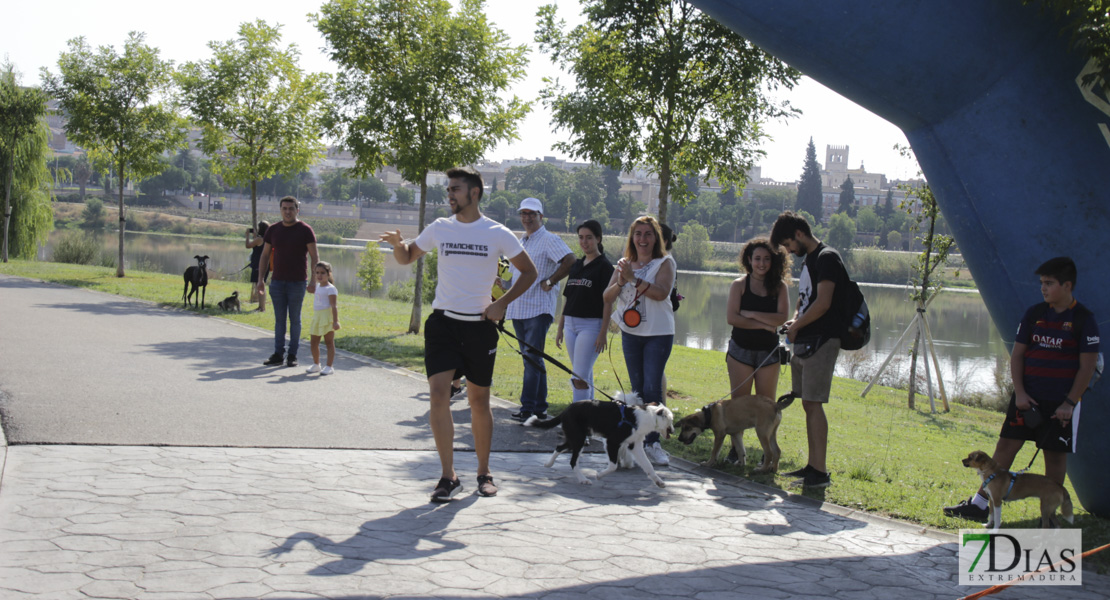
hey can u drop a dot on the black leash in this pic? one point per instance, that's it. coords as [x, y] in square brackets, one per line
[545, 356]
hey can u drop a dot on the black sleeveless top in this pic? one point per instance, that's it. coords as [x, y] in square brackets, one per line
[756, 339]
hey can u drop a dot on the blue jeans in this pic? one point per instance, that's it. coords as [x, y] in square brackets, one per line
[287, 297]
[646, 358]
[581, 337]
[533, 393]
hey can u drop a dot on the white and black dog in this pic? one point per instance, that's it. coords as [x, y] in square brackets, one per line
[621, 424]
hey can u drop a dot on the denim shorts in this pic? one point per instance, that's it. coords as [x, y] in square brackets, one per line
[753, 358]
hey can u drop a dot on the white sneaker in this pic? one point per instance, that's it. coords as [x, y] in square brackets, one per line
[315, 368]
[657, 455]
[327, 370]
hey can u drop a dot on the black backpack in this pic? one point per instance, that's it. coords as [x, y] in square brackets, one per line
[858, 317]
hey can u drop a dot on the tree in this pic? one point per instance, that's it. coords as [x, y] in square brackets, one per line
[420, 88]
[660, 83]
[810, 198]
[24, 148]
[867, 220]
[259, 112]
[887, 208]
[842, 232]
[371, 267]
[893, 240]
[93, 215]
[847, 198]
[542, 177]
[406, 197]
[118, 110]
[374, 190]
[692, 249]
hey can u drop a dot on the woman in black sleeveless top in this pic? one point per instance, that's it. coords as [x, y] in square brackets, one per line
[757, 306]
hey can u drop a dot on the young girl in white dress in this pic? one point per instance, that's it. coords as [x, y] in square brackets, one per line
[325, 317]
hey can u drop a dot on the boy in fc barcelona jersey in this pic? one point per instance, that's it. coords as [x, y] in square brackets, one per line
[1055, 354]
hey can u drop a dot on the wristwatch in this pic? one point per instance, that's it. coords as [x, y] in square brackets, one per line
[548, 282]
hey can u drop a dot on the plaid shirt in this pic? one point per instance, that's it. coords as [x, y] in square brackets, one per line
[546, 251]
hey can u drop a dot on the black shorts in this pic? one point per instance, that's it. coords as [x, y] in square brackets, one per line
[1050, 435]
[466, 347]
[254, 275]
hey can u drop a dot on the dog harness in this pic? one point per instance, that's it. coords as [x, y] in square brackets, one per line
[1013, 480]
[624, 416]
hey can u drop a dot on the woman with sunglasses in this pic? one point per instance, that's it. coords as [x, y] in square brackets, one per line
[642, 280]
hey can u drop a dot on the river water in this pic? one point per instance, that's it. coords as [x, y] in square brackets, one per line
[966, 340]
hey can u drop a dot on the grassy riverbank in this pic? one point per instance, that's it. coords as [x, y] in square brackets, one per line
[884, 458]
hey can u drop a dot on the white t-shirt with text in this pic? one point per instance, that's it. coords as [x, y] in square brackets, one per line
[468, 254]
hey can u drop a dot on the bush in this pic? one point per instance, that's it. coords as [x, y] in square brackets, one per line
[93, 215]
[371, 267]
[328, 237]
[400, 291]
[76, 248]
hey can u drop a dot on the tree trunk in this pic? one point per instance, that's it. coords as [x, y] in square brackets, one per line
[254, 203]
[7, 199]
[664, 189]
[122, 223]
[418, 293]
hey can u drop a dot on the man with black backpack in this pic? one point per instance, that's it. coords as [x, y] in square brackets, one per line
[816, 332]
[1056, 352]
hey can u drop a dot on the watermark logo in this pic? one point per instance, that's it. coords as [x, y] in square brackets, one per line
[1033, 556]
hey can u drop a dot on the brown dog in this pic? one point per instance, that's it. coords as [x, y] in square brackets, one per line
[1002, 485]
[731, 418]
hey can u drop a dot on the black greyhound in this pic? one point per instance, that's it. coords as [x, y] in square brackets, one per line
[198, 277]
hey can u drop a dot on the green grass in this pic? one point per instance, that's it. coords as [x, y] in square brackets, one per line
[884, 458]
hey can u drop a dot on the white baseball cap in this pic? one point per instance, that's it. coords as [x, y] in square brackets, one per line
[533, 204]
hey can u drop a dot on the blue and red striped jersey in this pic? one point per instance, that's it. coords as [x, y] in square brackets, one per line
[1053, 349]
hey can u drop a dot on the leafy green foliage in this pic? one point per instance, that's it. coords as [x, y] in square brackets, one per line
[76, 248]
[867, 220]
[1086, 23]
[118, 110]
[92, 216]
[419, 88]
[371, 267]
[810, 199]
[259, 112]
[842, 232]
[658, 82]
[692, 249]
[24, 176]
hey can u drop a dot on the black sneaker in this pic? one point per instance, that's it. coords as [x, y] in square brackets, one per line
[275, 359]
[521, 415]
[541, 416]
[446, 489]
[291, 361]
[799, 472]
[967, 510]
[455, 391]
[486, 486]
[816, 479]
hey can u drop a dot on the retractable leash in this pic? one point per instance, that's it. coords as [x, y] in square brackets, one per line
[545, 356]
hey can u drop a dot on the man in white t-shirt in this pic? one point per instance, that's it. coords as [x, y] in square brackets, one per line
[534, 311]
[460, 336]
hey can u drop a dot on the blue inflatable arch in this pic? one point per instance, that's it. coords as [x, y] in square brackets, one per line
[1016, 151]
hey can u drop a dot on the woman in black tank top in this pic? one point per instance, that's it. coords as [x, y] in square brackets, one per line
[757, 306]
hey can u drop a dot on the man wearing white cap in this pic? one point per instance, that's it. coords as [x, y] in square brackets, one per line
[533, 312]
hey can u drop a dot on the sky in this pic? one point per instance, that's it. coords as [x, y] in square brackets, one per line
[37, 32]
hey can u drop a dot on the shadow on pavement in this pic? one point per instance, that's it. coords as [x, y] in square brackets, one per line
[414, 533]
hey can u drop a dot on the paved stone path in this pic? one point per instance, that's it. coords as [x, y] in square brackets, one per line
[200, 519]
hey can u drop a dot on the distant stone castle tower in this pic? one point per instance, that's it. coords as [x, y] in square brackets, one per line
[836, 158]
